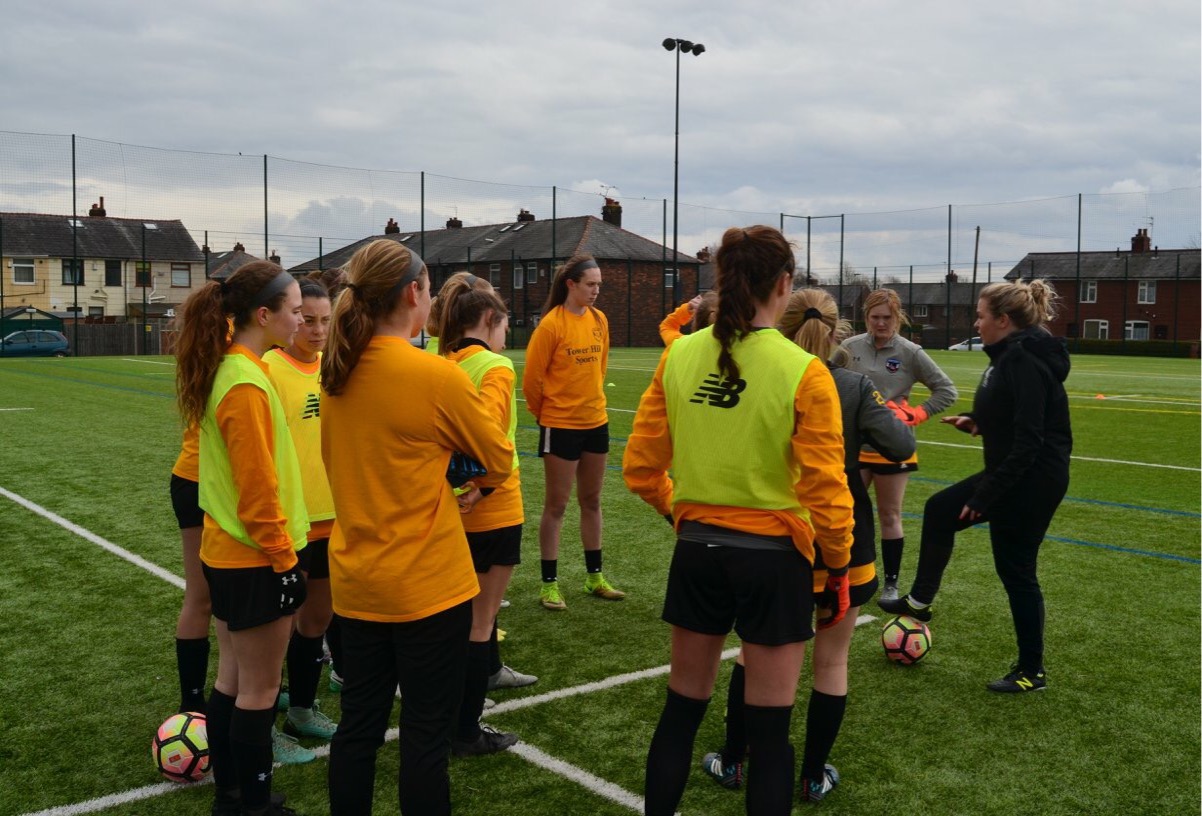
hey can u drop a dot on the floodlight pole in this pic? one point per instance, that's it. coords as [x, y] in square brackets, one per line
[676, 44]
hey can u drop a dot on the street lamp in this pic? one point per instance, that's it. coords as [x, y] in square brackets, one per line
[697, 49]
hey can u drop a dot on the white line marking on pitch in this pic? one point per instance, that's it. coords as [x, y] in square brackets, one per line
[526, 751]
[147, 362]
[1079, 458]
[16, 409]
[88, 535]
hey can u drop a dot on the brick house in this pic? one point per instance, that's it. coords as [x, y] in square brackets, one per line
[519, 258]
[109, 266]
[1146, 293]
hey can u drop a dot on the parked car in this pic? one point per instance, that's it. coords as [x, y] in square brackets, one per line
[34, 343]
[971, 344]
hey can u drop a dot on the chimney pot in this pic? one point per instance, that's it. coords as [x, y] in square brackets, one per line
[1141, 242]
[239, 248]
[97, 210]
[611, 213]
[392, 227]
[454, 223]
[525, 215]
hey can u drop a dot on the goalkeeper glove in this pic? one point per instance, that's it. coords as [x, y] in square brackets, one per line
[835, 598]
[909, 416]
[462, 469]
[293, 589]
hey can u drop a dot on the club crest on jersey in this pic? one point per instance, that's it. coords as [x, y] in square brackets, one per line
[893, 365]
[598, 335]
[719, 392]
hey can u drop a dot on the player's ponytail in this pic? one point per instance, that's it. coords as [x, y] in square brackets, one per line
[811, 320]
[210, 316]
[462, 301]
[1030, 303]
[377, 276]
[749, 263]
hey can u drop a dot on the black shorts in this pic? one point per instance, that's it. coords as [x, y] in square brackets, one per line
[889, 468]
[315, 559]
[185, 500]
[569, 443]
[862, 565]
[496, 548]
[765, 595]
[244, 598]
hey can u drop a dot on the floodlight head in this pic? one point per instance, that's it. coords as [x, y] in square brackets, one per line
[698, 48]
[686, 46]
[670, 44]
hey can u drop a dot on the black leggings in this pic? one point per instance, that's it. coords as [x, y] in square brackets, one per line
[1017, 524]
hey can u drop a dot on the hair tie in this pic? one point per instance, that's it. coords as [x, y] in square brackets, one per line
[470, 280]
[273, 287]
[351, 286]
[224, 286]
[811, 314]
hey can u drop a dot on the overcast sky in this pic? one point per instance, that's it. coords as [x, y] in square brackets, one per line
[810, 108]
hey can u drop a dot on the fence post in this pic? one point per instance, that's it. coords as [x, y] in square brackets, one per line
[1077, 299]
[76, 266]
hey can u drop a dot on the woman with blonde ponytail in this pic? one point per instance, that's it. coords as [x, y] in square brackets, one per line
[811, 320]
[401, 572]
[254, 515]
[1021, 413]
[749, 512]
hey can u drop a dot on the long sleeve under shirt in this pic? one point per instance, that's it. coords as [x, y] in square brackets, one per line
[244, 421]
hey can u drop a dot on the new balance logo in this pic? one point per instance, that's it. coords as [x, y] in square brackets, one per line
[312, 408]
[1024, 683]
[719, 392]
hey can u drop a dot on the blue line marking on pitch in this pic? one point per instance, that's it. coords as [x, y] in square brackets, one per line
[1120, 505]
[1097, 545]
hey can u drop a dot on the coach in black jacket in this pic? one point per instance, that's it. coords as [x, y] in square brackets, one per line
[1021, 412]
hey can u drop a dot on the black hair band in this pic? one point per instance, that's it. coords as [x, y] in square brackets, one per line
[273, 287]
[811, 314]
[470, 280]
[581, 266]
[416, 264]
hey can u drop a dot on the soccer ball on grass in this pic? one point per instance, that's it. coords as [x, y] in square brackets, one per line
[906, 640]
[180, 747]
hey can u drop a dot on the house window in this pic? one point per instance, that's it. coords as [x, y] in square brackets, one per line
[1147, 292]
[142, 273]
[112, 273]
[72, 271]
[95, 311]
[22, 270]
[668, 277]
[181, 275]
[920, 311]
[1089, 291]
[518, 276]
[1097, 329]
[531, 273]
[494, 271]
[1135, 330]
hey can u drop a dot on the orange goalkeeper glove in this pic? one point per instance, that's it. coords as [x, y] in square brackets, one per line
[835, 598]
[909, 416]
